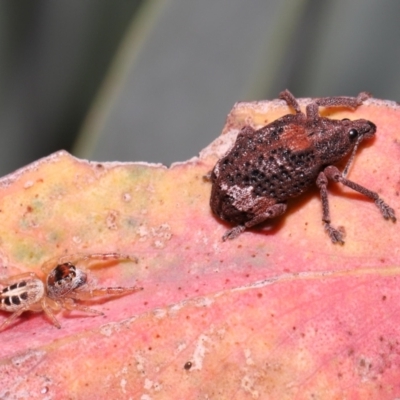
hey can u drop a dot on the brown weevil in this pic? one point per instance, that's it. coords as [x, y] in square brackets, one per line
[282, 160]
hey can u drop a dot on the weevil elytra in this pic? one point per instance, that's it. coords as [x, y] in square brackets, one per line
[282, 160]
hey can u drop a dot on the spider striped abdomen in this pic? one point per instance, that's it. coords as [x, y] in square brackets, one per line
[20, 294]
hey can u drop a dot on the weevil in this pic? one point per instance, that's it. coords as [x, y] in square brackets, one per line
[282, 160]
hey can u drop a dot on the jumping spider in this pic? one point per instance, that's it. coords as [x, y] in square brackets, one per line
[63, 285]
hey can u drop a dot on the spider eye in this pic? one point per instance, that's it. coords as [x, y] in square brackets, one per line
[353, 133]
[345, 119]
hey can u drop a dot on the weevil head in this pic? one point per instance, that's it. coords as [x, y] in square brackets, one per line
[354, 132]
[361, 129]
[335, 139]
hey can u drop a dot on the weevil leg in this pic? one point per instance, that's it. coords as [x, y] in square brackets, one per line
[339, 101]
[334, 174]
[290, 100]
[233, 233]
[342, 101]
[270, 212]
[335, 234]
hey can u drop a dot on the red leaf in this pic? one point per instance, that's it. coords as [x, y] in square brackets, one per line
[278, 313]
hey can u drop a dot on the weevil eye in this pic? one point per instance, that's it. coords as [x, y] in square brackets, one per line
[353, 133]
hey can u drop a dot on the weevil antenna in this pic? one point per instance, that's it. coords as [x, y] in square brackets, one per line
[351, 159]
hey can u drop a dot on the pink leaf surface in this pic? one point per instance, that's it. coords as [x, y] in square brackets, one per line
[278, 313]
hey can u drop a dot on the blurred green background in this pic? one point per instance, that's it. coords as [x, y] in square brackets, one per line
[154, 80]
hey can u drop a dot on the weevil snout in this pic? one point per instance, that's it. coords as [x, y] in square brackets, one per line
[361, 129]
[370, 129]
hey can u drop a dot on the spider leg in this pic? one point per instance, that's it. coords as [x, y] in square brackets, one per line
[11, 318]
[16, 278]
[116, 291]
[70, 305]
[78, 259]
[47, 306]
[50, 264]
[105, 257]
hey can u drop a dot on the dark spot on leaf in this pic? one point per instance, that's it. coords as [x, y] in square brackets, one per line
[188, 365]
